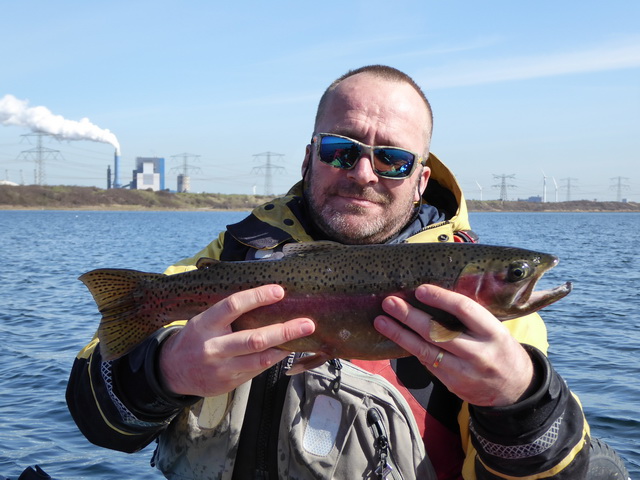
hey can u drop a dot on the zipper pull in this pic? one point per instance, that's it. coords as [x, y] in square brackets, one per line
[381, 443]
[337, 366]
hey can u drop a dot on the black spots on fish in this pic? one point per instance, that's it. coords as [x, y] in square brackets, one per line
[476, 268]
[292, 282]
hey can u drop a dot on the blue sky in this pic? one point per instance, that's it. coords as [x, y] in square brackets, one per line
[517, 88]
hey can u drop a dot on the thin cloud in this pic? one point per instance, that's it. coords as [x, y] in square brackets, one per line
[475, 44]
[597, 59]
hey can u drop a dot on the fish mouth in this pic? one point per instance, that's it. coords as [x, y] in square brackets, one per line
[542, 298]
[531, 300]
[528, 301]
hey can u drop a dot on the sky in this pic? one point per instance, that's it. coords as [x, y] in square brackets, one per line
[524, 93]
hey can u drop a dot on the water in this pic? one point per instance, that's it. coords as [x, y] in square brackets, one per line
[594, 332]
[46, 316]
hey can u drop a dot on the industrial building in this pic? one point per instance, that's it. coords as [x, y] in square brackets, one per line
[149, 174]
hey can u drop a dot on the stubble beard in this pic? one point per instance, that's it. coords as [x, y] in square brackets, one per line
[355, 225]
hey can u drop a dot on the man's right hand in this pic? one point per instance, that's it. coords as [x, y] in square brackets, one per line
[207, 358]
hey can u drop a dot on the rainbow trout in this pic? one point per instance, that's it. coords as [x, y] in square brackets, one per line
[339, 287]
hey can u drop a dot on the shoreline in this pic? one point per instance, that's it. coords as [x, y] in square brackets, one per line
[37, 197]
[141, 208]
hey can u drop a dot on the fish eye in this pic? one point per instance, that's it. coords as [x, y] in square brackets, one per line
[518, 271]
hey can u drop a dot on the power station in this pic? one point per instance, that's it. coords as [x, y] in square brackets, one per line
[149, 173]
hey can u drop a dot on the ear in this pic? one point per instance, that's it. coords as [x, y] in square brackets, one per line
[306, 161]
[422, 183]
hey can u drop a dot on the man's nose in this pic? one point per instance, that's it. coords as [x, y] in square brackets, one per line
[362, 173]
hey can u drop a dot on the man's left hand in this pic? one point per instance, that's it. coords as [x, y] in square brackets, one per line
[484, 365]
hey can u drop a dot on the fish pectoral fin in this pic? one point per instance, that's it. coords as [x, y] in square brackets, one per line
[307, 363]
[439, 333]
[443, 326]
[206, 262]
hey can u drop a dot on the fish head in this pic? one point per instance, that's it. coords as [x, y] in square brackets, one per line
[503, 281]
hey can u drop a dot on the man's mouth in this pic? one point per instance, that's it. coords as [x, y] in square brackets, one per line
[359, 198]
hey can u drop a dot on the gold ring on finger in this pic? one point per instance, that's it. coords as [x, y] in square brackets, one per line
[438, 360]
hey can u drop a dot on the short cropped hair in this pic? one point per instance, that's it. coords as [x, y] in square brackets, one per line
[379, 71]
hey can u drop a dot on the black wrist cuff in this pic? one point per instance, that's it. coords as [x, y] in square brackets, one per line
[530, 411]
[152, 370]
[137, 384]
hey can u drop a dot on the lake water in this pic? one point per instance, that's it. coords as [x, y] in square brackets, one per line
[47, 315]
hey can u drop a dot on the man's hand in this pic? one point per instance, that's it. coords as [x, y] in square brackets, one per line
[485, 365]
[206, 358]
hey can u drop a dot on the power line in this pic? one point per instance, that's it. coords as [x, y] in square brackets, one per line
[39, 154]
[619, 186]
[568, 186]
[184, 179]
[503, 186]
[186, 167]
[268, 169]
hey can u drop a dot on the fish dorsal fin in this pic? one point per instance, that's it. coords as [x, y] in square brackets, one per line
[309, 247]
[206, 262]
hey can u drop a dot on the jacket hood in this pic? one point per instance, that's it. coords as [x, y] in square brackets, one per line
[444, 193]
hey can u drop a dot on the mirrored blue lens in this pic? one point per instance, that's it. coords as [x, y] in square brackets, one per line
[392, 162]
[339, 152]
[344, 153]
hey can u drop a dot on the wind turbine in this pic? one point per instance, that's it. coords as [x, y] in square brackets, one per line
[544, 187]
[556, 184]
[480, 187]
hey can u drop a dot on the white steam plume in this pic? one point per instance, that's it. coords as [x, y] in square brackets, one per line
[40, 119]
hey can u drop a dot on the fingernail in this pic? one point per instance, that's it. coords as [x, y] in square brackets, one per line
[388, 304]
[307, 327]
[422, 292]
[380, 323]
[277, 291]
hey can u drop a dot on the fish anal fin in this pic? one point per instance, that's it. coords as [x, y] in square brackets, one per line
[307, 363]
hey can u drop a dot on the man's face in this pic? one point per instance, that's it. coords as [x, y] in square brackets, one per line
[356, 206]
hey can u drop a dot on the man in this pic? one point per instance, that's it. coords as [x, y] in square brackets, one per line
[488, 403]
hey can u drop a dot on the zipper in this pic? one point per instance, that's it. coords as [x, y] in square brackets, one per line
[433, 225]
[374, 420]
[337, 381]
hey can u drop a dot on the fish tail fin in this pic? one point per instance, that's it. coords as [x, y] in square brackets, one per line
[114, 291]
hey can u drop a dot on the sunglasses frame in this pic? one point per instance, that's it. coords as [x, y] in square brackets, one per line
[417, 159]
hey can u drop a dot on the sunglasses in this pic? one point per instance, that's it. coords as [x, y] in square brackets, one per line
[387, 162]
